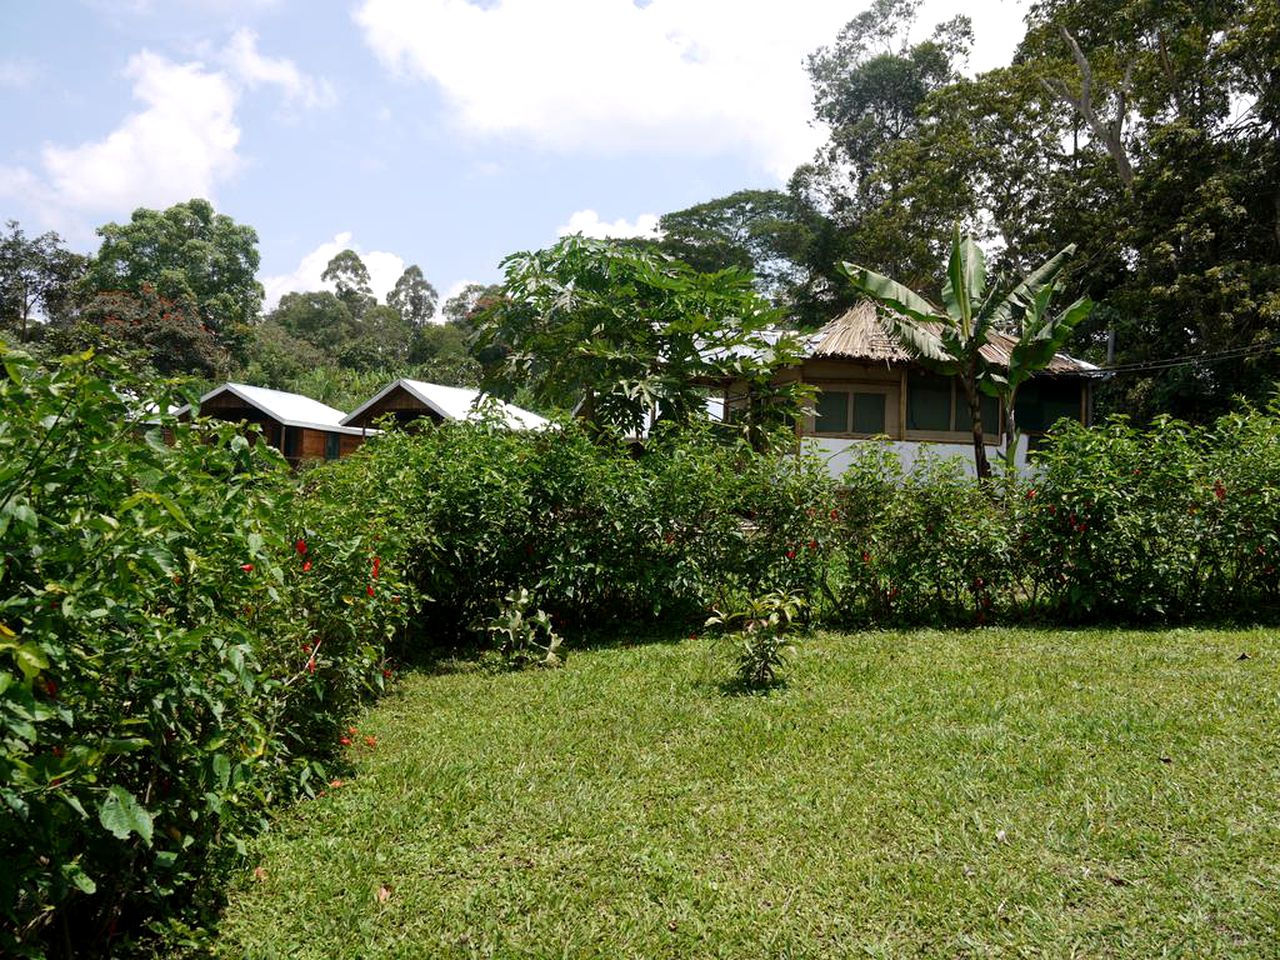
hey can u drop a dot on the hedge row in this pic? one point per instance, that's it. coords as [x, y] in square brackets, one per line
[182, 635]
[1169, 524]
[595, 529]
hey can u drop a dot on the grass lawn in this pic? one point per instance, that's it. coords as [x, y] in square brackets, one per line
[1001, 793]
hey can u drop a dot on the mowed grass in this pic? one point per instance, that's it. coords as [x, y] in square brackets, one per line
[1001, 793]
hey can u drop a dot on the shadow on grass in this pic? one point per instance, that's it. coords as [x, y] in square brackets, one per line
[424, 652]
[737, 687]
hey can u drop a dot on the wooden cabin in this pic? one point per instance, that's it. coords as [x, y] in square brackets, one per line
[407, 401]
[299, 427]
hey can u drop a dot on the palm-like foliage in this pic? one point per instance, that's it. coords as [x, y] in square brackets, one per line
[949, 340]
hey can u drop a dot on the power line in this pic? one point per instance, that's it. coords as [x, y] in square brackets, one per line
[1168, 363]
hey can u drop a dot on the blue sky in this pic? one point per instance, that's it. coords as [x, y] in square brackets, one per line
[438, 132]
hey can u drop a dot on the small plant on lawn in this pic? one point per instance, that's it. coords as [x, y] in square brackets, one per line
[761, 627]
[524, 639]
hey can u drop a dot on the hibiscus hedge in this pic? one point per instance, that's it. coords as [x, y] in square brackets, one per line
[182, 633]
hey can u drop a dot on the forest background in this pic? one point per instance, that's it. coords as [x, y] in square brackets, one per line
[1146, 134]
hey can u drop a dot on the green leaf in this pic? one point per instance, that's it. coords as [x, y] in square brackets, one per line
[31, 660]
[966, 279]
[78, 878]
[890, 293]
[121, 814]
[1038, 344]
[221, 769]
[1021, 297]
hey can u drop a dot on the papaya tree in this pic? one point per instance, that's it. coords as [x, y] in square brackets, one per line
[624, 334]
[949, 339]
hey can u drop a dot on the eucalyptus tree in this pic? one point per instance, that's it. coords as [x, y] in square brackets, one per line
[414, 296]
[949, 339]
[37, 279]
[351, 281]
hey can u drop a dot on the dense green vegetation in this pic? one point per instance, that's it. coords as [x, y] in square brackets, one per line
[984, 793]
[187, 627]
[182, 630]
[187, 630]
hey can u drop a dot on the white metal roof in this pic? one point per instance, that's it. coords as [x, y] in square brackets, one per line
[453, 403]
[291, 409]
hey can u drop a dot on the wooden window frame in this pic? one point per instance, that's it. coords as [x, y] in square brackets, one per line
[852, 387]
[989, 438]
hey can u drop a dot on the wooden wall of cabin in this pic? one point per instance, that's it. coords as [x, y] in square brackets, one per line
[401, 405]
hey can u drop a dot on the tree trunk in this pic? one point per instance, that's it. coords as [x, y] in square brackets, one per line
[587, 409]
[1108, 131]
[980, 463]
[1010, 433]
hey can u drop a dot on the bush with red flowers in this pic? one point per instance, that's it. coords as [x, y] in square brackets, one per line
[1173, 523]
[596, 530]
[169, 664]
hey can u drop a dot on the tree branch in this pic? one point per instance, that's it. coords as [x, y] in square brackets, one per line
[1109, 133]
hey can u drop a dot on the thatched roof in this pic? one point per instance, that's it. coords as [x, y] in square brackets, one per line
[859, 334]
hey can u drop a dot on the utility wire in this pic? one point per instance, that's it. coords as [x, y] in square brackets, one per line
[1167, 363]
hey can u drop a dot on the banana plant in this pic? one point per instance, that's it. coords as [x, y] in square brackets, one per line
[949, 339]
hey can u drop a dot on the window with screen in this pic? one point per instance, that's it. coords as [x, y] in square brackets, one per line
[291, 441]
[928, 402]
[831, 412]
[332, 446]
[990, 409]
[1044, 401]
[868, 413]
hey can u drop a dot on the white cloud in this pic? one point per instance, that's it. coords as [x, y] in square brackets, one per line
[384, 270]
[589, 224]
[253, 69]
[685, 76]
[181, 144]
[178, 147]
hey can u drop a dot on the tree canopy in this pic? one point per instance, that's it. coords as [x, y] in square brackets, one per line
[202, 261]
[623, 334]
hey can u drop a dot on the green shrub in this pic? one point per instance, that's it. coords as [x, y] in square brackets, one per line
[761, 629]
[523, 638]
[181, 634]
[926, 545]
[1171, 523]
[596, 531]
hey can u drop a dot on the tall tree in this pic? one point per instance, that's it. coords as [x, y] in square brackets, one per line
[623, 333]
[151, 330]
[462, 309]
[37, 279]
[203, 262]
[350, 277]
[414, 297]
[317, 317]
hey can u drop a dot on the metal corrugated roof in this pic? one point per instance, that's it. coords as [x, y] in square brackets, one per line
[453, 403]
[290, 409]
[859, 334]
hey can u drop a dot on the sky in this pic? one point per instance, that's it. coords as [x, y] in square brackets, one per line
[442, 133]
